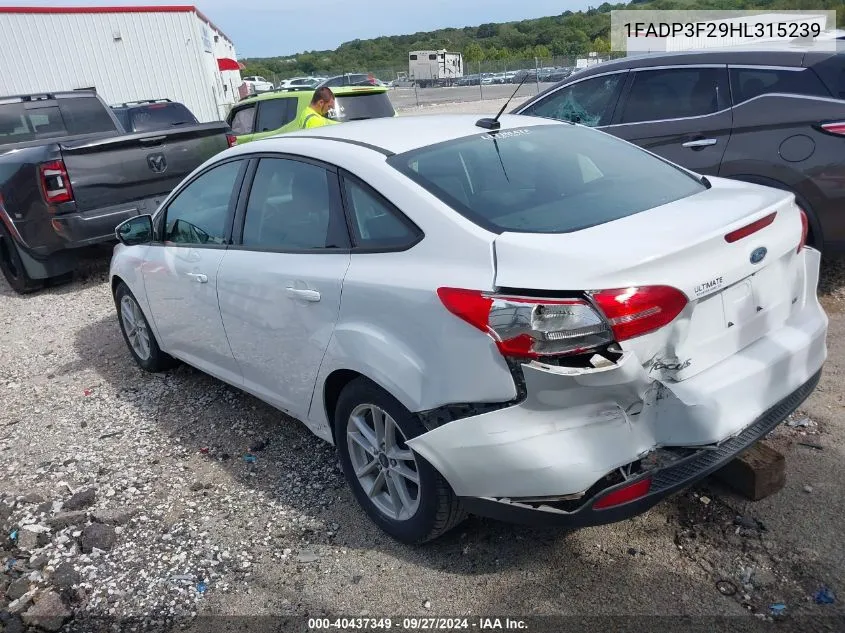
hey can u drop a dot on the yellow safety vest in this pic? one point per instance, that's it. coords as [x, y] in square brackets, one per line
[311, 118]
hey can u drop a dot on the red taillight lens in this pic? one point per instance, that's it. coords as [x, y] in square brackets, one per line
[625, 494]
[805, 229]
[55, 183]
[527, 327]
[745, 231]
[837, 128]
[232, 140]
[636, 311]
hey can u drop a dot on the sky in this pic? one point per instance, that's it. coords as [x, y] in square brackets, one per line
[268, 28]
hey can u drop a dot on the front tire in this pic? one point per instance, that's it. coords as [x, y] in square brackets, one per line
[400, 491]
[13, 268]
[137, 333]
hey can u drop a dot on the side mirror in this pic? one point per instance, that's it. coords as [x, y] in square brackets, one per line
[137, 230]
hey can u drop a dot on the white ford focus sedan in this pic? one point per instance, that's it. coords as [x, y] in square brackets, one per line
[522, 319]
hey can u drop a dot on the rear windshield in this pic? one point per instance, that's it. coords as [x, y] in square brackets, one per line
[545, 179]
[160, 116]
[21, 122]
[362, 106]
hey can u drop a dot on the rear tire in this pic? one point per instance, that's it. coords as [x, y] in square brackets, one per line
[138, 334]
[410, 512]
[13, 268]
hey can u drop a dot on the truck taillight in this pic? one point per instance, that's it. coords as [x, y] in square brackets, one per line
[55, 182]
[805, 229]
[232, 140]
[526, 327]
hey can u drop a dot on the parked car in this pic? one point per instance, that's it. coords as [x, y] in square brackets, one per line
[536, 321]
[69, 174]
[775, 118]
[349, 79]
[278, 112]
[153, 114]
[257, 85]
[299, 82]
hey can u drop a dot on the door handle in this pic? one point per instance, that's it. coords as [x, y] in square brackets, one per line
[701, 142]
[301, 293]
[198, 277]
[152, 140]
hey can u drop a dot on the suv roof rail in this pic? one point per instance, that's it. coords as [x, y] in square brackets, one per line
[129, 104]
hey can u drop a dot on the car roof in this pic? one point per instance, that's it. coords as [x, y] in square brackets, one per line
[395, 135]
[749, 54]
[339, 91]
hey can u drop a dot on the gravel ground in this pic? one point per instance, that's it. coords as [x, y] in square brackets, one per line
[166, 497]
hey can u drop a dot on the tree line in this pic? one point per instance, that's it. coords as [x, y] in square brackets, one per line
[569, 34]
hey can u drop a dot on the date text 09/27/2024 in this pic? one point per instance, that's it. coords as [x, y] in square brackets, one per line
[745, 30]
[417, 624]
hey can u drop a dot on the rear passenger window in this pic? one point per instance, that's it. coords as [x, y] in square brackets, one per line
[242, 122]
[375, 223]
[747, 83]
[290, 208]
[674, 93]
[275, 113]
[85, 115]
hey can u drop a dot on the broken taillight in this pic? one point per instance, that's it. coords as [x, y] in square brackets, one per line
[635, 311]
[526, 327]
[55, 182]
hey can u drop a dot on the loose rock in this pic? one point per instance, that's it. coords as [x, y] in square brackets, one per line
[65, 576]
[66, 519]
[32, 537]
[113, 517]
[98, 536]
[82, 499]
[17, 588]
[49, 613]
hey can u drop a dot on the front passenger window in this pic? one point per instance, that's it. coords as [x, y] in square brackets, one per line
[589, 102]
[199, 213]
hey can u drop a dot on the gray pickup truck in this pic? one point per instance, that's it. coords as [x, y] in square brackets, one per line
[70, 173]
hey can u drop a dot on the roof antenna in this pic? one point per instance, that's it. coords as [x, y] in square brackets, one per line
[493, 124]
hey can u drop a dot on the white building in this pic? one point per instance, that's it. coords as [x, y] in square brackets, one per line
[638, 45]
[126, 53]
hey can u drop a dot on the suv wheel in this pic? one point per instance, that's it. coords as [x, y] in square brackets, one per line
[401, 492]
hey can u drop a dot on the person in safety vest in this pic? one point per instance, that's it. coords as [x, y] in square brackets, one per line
[315, 114]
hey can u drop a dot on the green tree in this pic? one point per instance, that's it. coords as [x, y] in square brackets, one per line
[542, 52]
[473, 53]
[601, 45]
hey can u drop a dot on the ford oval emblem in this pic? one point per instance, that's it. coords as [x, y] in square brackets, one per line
[758, 255]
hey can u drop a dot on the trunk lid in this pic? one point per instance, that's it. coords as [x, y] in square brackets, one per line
[123, 169]
[733, 300]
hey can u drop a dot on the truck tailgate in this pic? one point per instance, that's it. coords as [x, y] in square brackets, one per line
[119, 170]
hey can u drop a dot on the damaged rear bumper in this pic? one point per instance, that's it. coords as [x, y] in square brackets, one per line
[581, 431]
[663, 481]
